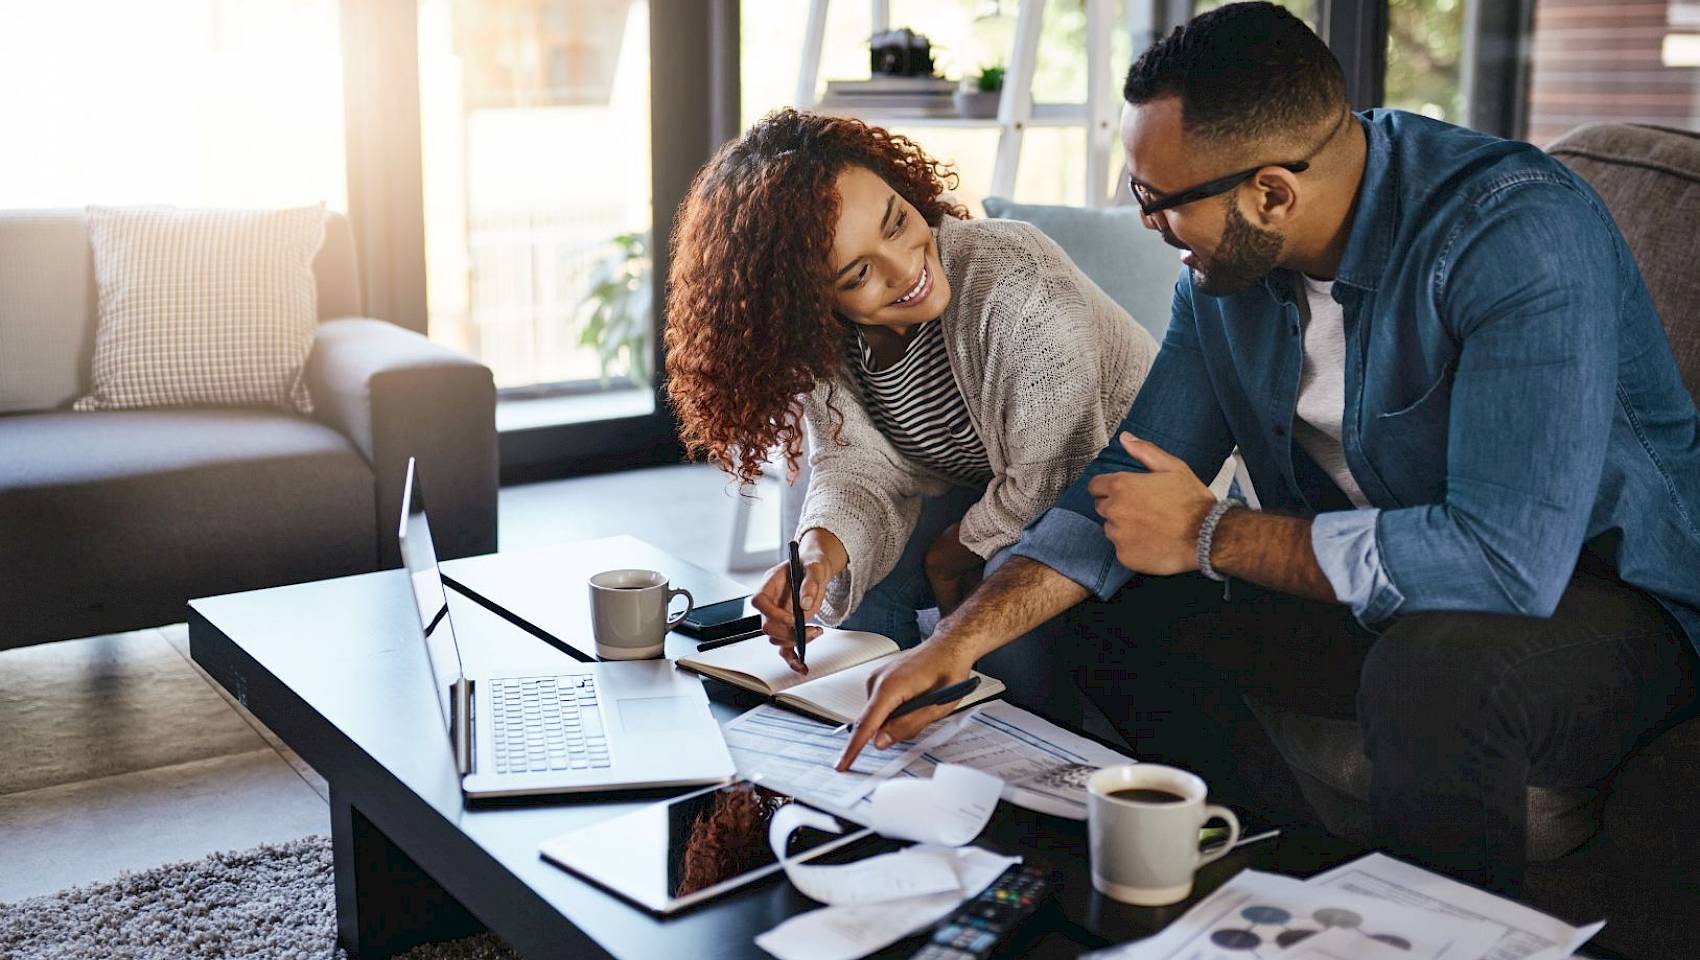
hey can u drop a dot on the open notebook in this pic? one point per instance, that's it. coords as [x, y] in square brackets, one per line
[836, 686]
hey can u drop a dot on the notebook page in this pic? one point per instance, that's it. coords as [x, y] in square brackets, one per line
[759, 660]
[840, 696]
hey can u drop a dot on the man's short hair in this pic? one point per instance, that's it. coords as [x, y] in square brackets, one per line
[1245, 72]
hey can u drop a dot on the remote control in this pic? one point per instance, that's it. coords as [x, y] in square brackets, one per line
[975, 929]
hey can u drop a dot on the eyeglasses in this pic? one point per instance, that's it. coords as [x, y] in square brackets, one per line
[1150, 203]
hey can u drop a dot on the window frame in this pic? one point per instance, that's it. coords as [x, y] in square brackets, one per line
[689, 119]
[1495, 78]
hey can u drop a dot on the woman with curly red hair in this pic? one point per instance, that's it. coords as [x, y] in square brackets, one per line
[956, 375]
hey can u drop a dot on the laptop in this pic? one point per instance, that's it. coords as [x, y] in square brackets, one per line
[586, 727]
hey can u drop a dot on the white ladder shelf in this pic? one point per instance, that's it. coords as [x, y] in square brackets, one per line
[1016, 110]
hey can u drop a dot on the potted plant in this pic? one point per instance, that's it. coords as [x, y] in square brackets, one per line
[616, 310]
[978, 97]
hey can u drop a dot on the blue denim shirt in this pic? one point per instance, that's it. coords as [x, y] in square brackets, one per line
[1510, 395]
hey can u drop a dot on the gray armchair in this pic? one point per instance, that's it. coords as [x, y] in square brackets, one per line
[115, 520]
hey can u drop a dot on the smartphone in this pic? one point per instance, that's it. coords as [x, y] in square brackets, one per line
[720, 620]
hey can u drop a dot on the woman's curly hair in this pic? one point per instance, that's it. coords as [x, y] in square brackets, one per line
[750, 322]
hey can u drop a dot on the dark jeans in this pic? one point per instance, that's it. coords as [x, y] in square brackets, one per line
[1461, 712]
[891, 607]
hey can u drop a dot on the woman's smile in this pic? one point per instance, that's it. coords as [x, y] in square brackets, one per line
[922, 286]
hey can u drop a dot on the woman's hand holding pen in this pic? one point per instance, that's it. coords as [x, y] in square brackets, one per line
[823, 557]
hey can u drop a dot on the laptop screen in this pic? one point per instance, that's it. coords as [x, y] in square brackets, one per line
[419, 556]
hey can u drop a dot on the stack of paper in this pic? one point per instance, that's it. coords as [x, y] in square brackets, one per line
[1011, 744]
[795, 755]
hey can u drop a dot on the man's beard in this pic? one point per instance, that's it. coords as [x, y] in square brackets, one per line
[1245, 255]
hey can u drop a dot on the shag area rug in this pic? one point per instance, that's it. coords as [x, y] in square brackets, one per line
[271, 901]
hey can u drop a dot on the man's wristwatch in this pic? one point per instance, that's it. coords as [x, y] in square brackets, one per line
[1207, 535]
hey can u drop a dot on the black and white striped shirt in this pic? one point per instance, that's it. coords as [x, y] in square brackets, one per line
[915, 403]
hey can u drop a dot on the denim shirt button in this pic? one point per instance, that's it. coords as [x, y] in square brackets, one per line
[1280, 431]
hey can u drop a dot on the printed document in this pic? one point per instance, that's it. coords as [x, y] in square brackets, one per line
[794, 754]
[1522, 932]
[1262, 916]
[1011, 744]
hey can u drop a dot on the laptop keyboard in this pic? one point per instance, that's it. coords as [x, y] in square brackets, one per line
[547, 723]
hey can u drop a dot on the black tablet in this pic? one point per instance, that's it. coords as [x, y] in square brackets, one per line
[680, 852]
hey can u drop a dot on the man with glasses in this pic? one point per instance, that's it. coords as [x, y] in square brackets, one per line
[1477, 469]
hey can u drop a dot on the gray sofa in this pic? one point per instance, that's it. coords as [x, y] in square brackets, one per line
[1624, 849]
[114, 520]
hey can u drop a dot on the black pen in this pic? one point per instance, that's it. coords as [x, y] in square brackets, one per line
[797, 601]
[932, 698]
[726, 641]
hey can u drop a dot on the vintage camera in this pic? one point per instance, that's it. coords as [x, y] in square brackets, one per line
[900, 53]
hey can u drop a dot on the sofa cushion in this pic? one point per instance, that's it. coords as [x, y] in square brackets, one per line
[1649, 177]
[1640, 869]
[1127, 261]
[145, 510]
[203, 307]
[47, 302]
[46, 309]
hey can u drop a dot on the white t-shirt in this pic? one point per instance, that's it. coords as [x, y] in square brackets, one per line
[1322, 387]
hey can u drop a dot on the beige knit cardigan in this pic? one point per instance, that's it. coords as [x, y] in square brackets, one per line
[1048, 365]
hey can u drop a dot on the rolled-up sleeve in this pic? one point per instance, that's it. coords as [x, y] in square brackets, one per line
[1346, 550]
[1075, 547]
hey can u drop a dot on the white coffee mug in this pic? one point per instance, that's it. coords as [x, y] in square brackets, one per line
[628, 613]
[1142, 827]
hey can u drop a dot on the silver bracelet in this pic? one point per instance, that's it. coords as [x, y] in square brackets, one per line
[1207, 534]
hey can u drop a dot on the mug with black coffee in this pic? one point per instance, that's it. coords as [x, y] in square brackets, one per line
[629, 613]
[1142, 827]
[1146, 795]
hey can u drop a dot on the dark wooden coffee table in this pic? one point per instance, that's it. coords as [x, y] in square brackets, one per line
[334, 668]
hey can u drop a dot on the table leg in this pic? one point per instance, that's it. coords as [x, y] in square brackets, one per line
[386, 904]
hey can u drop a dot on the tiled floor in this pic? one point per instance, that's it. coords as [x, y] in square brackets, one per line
[118, 753]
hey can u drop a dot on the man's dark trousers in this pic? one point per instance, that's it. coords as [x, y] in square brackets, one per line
[1461, 712]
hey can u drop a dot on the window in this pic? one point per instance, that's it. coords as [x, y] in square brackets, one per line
[1601, 61]
[1580, 61]
[197, 103]
[1305, 9]
[1425, 40]
[535, 119]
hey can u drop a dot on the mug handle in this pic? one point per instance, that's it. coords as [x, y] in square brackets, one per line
[691, 604]
[1213, 812]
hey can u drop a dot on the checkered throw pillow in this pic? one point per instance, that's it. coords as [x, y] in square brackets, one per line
[203, 307]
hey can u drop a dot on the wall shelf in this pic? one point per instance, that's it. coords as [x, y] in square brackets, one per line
[1016, 110]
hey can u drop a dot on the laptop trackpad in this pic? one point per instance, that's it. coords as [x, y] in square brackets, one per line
[657, 714]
